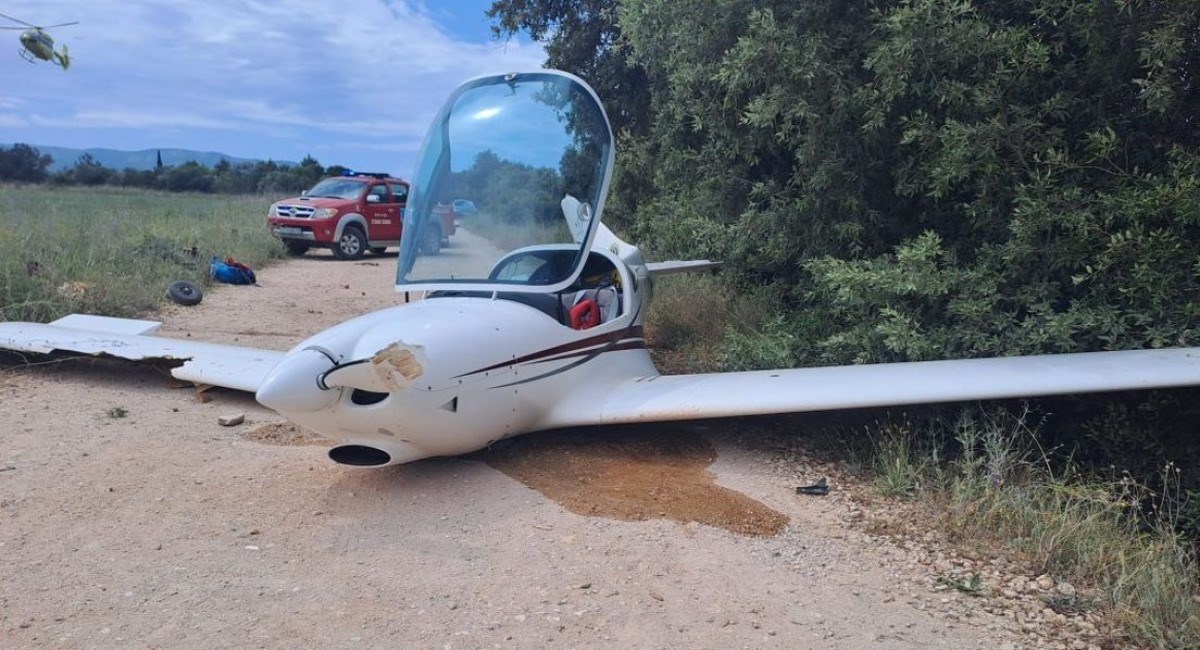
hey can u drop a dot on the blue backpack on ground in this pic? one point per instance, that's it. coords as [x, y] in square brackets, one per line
[231, 271]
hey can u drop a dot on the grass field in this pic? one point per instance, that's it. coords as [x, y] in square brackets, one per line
[113, 251]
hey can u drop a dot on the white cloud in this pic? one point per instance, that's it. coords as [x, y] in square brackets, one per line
[331, 76]
[10, 121]
[131, 119]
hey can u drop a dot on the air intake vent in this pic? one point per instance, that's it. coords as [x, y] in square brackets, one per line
[365, 397]
[359, 456]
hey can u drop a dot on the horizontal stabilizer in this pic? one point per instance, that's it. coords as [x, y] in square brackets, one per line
[211, 364]
[680, 266]
[689, 397]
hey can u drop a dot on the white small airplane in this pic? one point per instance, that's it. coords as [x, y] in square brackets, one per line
[538, 324]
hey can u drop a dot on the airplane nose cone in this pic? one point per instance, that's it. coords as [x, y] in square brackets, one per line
[292, 387]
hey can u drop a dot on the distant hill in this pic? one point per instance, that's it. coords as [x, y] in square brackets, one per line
[65, 157]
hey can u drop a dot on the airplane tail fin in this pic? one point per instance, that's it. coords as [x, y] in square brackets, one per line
[608, 240]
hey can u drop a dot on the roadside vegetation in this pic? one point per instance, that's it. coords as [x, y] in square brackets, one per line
[896, 180]
[985, 474]
[986, 478]
[113, 251]
[23, 163]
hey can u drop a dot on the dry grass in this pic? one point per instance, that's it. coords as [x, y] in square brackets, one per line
[114, 251]
[689, 318]
[1000, 493]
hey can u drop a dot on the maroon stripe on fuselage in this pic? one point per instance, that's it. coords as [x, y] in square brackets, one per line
[631, 344]
[584, 357]
[574, 346]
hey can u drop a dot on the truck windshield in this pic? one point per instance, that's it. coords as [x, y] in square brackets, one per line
[529, 157]
[336, 188]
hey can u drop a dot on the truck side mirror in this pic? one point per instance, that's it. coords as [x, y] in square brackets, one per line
[373, 198]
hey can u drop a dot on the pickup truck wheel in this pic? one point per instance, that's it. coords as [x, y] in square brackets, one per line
[431, 240]
[351, 245]
[296, 247]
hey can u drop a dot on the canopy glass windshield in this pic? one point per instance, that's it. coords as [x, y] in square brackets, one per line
[522, 162]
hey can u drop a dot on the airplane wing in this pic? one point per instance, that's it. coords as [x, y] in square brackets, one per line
[688, 397]
[212, 364]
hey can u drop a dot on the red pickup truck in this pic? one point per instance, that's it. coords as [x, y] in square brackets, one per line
[350, 215]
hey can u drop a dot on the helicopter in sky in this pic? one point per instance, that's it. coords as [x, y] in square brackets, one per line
[37, 44]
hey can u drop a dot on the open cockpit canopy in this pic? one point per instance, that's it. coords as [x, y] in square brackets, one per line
[532, 155]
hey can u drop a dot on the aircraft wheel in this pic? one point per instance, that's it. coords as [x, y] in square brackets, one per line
[185, 293]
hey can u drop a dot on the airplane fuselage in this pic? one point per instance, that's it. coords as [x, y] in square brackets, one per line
[453, 374]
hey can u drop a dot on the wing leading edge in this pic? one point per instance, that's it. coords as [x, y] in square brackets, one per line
[229, 366]
[687, 397]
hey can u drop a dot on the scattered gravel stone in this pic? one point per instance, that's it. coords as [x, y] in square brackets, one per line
[231, 420]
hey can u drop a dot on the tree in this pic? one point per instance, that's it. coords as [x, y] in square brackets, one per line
[89, 171]
[235, 179]
[582, 37]
[144, 178]
[307, 173]
[191, 176]
[925, 178]
[22, 162]
[1042, 149]
[502, 189]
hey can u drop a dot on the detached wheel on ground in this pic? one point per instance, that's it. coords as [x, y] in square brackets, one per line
[296, 247]
[185, 293]
[431, 240]
[351, 245]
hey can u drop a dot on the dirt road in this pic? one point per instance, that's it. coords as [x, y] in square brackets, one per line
[129, 518]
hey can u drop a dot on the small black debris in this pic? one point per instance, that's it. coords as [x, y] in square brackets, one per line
[820, 488]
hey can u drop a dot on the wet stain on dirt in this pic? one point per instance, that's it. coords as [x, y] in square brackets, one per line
[632, 474]
[285, 434]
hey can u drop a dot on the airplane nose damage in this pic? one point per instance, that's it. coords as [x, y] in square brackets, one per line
[388, 388]
[389, 370]
[307, 388]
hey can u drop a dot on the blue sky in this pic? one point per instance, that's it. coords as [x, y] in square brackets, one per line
[354, 82]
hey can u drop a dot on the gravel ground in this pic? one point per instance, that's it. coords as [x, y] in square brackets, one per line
[130, 518]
